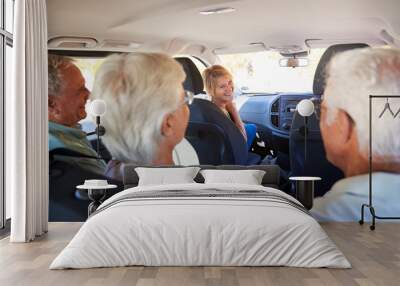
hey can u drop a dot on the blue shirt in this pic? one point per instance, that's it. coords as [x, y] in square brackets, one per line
[61, 136]
[343, 202]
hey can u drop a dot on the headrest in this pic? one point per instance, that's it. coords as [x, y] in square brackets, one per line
[193, 81]
[320, 72]
[200, 110]
[203, 110]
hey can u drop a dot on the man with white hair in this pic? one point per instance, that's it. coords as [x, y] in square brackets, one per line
[352, 77]
[147, 112]
[67, 98]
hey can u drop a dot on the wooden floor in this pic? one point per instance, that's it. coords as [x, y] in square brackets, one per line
[374, 255]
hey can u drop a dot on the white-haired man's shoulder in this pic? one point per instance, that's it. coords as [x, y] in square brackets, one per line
[184, 154]
[343, 202]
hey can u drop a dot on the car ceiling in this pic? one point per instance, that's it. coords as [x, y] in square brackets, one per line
[177, 27]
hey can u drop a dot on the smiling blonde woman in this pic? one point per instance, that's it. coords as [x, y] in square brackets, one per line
[218, 82]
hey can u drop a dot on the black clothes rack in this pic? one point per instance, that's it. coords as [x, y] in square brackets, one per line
[394, 115]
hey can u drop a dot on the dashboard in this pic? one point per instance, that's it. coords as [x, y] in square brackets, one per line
[273, 115]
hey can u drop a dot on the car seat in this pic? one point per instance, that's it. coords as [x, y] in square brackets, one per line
[64, 203]
[193, 81]
[235, 146]
[208, 141]
[316, 163]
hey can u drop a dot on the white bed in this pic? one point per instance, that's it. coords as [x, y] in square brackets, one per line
[183, 230]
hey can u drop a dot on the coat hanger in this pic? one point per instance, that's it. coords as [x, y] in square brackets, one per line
[387, 107]
[397, 113]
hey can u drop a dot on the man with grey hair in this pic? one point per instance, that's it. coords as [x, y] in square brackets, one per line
[66, 107]
[147, 112]
[352, 77]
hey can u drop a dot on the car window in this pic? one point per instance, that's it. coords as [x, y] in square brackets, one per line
[88, 67]
[261, 72]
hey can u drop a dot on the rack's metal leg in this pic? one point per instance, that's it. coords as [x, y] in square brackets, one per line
[372, 210]
[361, 221]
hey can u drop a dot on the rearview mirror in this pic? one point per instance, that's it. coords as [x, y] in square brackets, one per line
[293, 62]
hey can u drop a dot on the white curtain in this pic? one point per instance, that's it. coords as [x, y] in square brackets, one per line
[27, 146]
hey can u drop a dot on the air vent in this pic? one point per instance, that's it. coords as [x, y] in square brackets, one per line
[275, 113]
[275, 120]
[275, 106]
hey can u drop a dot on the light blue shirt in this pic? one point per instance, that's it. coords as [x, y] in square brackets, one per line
[61, 136]
[343, 202]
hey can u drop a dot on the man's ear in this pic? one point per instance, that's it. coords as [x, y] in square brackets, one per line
[52, 102]
[345, 127]
[54, 107]
[167, 125]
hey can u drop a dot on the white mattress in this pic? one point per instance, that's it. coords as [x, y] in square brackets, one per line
[200, 231]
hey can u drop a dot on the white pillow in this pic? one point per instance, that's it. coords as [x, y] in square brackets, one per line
[163, 176]
[248, 177]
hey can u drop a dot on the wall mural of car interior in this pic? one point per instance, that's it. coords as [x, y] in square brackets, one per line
[235, 141]
[250, 110]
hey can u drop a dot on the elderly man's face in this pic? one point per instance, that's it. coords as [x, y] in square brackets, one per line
[328, 132]
[182, 113]
[68, 107]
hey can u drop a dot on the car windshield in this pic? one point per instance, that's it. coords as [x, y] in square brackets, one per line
[261, 72]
